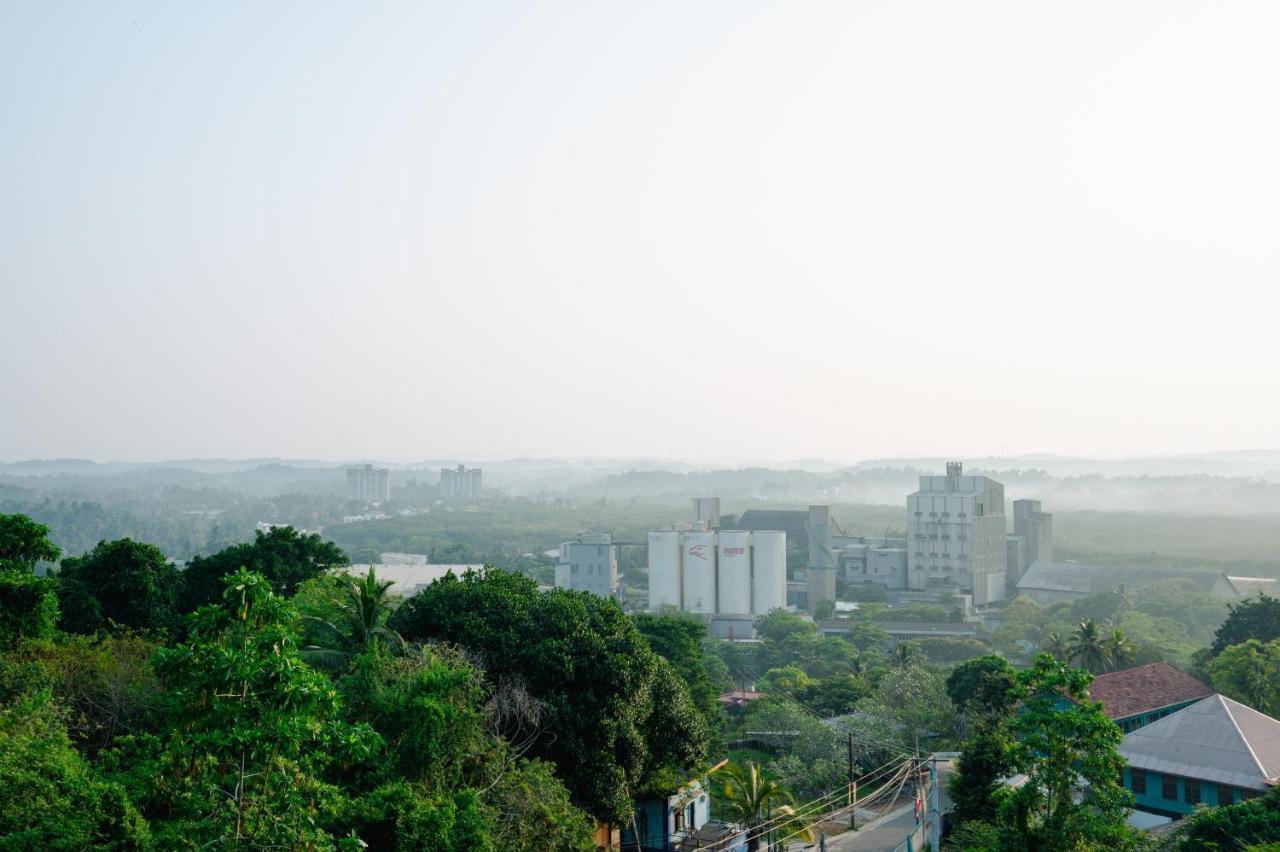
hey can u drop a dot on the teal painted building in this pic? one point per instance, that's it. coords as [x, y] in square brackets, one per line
[1134, 698]
[1215, 752]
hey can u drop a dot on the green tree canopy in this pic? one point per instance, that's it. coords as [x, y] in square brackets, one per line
[124, 582]
[1250, 673]
[1257, 617]
[618, 719]
[285, 557]
[23, 543]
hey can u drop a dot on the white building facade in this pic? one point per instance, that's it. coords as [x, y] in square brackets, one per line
[589, 564]
[956, 536]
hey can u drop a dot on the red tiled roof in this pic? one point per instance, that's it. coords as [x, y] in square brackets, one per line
[739, 696]
[1145, 688]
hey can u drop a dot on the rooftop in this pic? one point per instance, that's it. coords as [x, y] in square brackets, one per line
[1145, 688]
[1217, 740]
[1090, 579]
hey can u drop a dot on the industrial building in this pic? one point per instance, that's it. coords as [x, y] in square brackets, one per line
[461, 482]
[872, 560]
[731, 575]
[1050, 582]
[1030, 541]
[589, 564]
[956, 536]
[369, 484]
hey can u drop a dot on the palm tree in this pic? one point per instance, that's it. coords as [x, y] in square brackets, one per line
[1120, 649]
[360, 621]
[1088, 647]
[908, 654]
[751, 798]
[1123, 599]
[1056, 645]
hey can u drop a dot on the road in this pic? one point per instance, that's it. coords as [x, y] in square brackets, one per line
[883, 834]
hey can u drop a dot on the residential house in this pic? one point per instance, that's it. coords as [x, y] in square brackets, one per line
[1139, 696]
[1215, 752]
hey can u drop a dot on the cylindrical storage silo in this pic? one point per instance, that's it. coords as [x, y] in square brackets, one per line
[768, 571]
[733, 585]
[664, 569]
[699, 571]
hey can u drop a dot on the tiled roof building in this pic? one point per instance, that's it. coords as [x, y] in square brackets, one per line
[1139, 696]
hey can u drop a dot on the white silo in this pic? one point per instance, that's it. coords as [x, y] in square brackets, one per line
[699, 552]
[734, 572]
[664, 569]
[769, 571]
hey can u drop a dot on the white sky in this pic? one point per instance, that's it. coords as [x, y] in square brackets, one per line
[702, 230]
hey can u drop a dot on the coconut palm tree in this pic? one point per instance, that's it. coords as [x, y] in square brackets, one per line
[1056, 645]
[359, 624]
[1088, 647]
[751, 797]
[1120, 649]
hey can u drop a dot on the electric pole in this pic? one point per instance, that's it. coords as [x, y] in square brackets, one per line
[853, 785]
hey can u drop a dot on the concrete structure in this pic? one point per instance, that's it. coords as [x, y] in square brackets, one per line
[409, 573]
[1050, 582]
[1215, 752]
[872, 560]
[1031, 540]
[589, 564]
[1139, 696]
[706, 513]
[461, 482]
[730, 575]
[956, 536]
[821, 573]
[369, 484]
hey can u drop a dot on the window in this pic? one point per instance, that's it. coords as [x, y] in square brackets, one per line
[1225, 796]
[1169, 790]
[1138, 781]
[1191, 790]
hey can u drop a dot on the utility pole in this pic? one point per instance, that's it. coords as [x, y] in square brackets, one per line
[853, 785]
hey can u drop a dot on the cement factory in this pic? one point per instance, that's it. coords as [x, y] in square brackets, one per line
[733, 570]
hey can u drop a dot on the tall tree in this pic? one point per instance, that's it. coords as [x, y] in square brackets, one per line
[618, 718]
[1120, 649]
[285, 557]
[1088, 647]
[1250, 673]
[1062, 747]
[1257, 617]
[678, 640]
[28, 604]
[124, 582]
[256, 729]
[23, 543]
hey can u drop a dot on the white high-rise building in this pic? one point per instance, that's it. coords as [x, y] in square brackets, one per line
[461, 482]
[956, 536]
[369, 484]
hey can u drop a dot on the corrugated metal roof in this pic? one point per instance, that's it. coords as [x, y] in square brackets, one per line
[1085, 578]
[1217, 740]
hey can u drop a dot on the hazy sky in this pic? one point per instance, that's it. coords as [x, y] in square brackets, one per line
[702, 230]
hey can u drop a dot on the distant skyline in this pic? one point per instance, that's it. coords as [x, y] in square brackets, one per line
[719, 231]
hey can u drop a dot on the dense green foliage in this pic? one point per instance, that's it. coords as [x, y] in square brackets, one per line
[619, 720]
[1049, 731]
[1257, 617]
[125, 583]
[285, 557]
